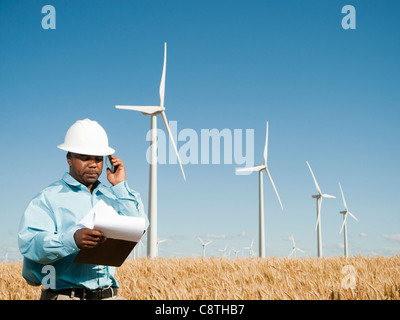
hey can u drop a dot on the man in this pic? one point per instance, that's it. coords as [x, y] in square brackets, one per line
[48, 235]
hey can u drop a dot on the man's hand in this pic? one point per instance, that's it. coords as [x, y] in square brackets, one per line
[119, 175]
[87, 238]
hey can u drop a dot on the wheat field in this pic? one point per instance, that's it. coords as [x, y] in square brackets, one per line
[356, 278]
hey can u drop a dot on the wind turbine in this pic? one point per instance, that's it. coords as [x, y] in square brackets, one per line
[260, 168]
[223, 251]
[344, 225]
[137, 250]
[250, 248]
[161, 241]
[319, 198]
[294, 247]
[235, 252]
[204, 246]
[153, 111]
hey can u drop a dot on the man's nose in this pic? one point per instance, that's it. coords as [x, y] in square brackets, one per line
[92, 163]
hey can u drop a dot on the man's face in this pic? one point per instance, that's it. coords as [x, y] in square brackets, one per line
[84, 168]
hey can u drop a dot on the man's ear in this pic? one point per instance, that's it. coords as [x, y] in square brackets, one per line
[69, 158]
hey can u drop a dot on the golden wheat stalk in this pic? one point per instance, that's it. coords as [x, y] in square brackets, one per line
[240, 279]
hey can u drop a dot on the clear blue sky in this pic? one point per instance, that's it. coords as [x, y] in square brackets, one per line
[331, 97]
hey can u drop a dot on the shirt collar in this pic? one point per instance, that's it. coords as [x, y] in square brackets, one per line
[70, 180]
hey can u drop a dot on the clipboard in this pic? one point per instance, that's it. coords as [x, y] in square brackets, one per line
[112, 252]
[122, 233]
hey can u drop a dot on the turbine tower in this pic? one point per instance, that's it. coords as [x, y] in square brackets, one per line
[319, 198]
[204, 246]
[344, 225]
[153, 111]
[260, 168]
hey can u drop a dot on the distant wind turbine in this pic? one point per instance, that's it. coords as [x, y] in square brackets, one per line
[204, 246]
[294, 247]
[260, 168]
[250, 248]
[153, 111]
[161, 241]
[223, 251]
[235, 252]
[137, 252]
[344, 225]
[319, 197]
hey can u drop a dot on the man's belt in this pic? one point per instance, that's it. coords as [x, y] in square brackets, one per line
[87, 294]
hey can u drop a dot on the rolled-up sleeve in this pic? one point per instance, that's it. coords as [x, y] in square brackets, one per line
[38, 238]
[129, 201]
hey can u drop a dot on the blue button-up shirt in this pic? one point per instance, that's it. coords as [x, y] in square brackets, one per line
[46, 232]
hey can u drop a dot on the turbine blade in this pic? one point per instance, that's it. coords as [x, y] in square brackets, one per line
[255, 168]
[316, 226]
[162, 83]
[164, 117]
[144, 109]
[328, 196]
[292, 252]
[319, 213]
[353, 216]
[315, 180]
[272, 182]
[344, 200]
[200, 240]
[299, 250]
[266, 147]
[344, 222]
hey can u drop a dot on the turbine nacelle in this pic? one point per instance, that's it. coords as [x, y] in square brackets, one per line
[317, 196]
[255, 168]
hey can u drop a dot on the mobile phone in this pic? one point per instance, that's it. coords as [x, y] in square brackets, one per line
[109, 164]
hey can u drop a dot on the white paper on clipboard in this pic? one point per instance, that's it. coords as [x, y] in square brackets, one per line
[114, 226]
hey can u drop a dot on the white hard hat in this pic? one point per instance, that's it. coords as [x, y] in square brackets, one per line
[86, 137]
